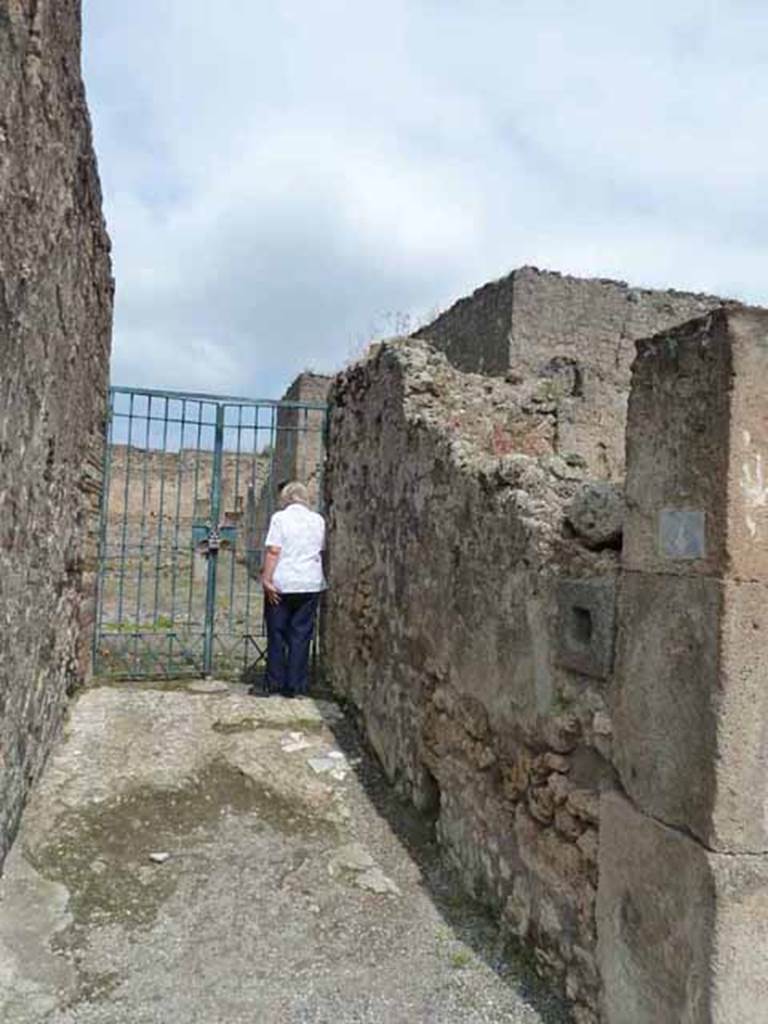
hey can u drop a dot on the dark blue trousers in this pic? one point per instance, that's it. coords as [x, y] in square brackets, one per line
[289, 635]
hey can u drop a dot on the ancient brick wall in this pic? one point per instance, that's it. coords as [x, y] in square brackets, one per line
[577, 336]
[470, 620]
[55, 321]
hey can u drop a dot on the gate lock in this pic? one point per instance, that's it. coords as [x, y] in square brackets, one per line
[208, 539]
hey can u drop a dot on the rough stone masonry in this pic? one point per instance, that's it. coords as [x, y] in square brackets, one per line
[476, 557]
[55, 323]
[683, 897]
[576, 336]
[479, 677]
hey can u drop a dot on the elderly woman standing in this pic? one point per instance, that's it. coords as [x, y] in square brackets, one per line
[293, 579]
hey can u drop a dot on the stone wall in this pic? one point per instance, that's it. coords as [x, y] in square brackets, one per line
[470, 622]
[606, 797]
[55, 321]
[300, 441]
[576, 335]
[683, 907]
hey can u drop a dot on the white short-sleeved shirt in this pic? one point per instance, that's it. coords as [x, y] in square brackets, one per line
[300, 534]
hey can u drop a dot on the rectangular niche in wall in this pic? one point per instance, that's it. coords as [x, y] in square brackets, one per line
[586, 625]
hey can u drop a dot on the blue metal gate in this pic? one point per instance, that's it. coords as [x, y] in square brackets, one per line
[190, 481]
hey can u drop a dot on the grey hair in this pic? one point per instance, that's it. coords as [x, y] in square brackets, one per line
[294, 492]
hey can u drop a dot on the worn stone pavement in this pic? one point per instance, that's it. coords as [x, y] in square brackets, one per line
[297, 889]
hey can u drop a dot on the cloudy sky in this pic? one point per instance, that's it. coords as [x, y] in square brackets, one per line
[285, 179]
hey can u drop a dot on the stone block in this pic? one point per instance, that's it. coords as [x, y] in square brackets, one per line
[682, 931]
[697, 449]
[596, 513]
[586, 625]
[690, 705]
[555, 861]
[662, 700]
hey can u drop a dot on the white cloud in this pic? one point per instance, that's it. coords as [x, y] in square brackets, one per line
[280, 175]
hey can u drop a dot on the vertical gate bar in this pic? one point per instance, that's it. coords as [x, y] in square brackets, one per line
[240, 564]
[237, 535]
[179, 479]
[143, 527]
[270, 502]
[306, 443]
[271, 495]
[274, 483]
[213, 555]
[194, 507]
[325, 424]
[256, 498]
[101, 566]
[301, 454]
[124, 532]
[303, 439]
[323, 428]
[161, 512]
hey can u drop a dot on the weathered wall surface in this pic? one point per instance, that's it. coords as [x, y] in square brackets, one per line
[55, 321]
[472, 626]
[610, 806]
[577, 336]
[683, 910]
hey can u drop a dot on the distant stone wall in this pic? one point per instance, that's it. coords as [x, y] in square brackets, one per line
[149, 486]
[55, 322]
[576, 336]
[300, 439]
[474, 332]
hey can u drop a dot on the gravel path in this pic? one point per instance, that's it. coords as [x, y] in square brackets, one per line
[288, 884]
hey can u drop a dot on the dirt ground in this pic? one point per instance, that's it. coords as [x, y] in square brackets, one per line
[194, 855]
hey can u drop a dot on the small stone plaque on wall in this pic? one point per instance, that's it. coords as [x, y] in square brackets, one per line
[682, 533]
